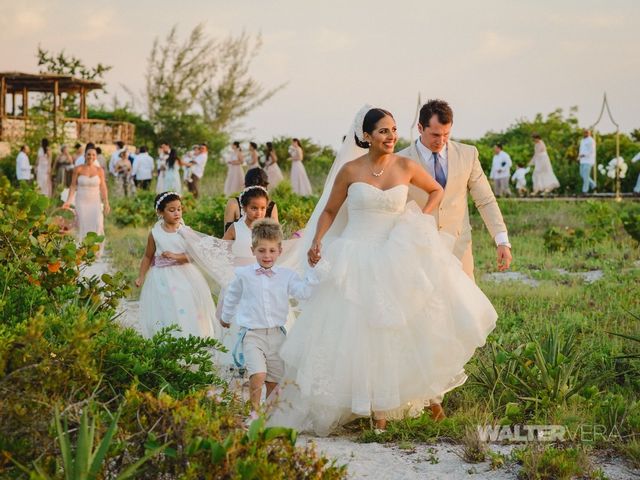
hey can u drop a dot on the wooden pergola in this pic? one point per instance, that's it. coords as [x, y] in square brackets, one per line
[14, 84]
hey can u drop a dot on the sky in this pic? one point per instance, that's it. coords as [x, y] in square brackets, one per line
[494, 61]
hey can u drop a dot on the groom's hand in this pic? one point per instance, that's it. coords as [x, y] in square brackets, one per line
[504, 257]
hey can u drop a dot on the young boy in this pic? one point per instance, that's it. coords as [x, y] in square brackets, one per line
[520, 177]
[258, 300]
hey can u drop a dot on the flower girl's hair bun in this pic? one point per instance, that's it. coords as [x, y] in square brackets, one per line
[163, 198]
[266, 229]
[368, 123]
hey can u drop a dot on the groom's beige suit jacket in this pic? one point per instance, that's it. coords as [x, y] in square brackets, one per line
[464, 175]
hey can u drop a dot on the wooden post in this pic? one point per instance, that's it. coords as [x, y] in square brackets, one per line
[3, 99]
[25, 102]
[55, 109]
[83, 103]
[13, 104]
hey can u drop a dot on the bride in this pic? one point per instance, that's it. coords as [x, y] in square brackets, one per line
[393, 318]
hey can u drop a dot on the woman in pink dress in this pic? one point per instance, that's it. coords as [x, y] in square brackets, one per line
[89, 190]
[235, 175]
[544, 180]
[43, 169]
[271, 167]
[299, 180]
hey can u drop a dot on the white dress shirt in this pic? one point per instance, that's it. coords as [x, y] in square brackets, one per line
[23, 167]
[497, 168]
[426, 156]
[79, 161]
[587, 153]
[200, 162]
[260, 301]
[143, 167]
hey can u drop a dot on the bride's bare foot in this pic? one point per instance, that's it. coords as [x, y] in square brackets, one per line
[437, 412]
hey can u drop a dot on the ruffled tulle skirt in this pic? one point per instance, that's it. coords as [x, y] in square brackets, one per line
[391, 324]
[177, 295]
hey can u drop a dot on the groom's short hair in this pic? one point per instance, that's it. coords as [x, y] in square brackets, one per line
[440, 108]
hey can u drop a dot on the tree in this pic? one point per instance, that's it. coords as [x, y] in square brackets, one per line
[202, 80]
[63, 64]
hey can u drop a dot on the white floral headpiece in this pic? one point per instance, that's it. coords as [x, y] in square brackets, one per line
[252, 187]
[163, 196]
[357, 126]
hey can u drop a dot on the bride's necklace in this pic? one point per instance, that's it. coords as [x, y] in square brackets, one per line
[378, 174]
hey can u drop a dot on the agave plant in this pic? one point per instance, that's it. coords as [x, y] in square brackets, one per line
[86, 461]
[633, 338]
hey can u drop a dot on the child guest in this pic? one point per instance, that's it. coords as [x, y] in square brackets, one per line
[520, 178]
[258, 300]
[174, 292]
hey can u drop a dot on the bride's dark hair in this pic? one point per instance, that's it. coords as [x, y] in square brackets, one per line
[372, 117]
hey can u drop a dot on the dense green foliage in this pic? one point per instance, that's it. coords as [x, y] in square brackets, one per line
[157, 405]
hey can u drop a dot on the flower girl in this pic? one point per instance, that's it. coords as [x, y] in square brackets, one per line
[174, 292]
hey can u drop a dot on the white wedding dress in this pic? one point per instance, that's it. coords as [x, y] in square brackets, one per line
[392, 321]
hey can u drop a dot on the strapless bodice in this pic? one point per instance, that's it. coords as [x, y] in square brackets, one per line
[372, 212]
[86, 181]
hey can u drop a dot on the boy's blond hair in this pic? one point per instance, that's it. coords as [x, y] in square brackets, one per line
[266, 229]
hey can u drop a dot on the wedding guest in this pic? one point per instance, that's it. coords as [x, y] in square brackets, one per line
[143, 169]
[89, 190]
[123, 174]
[43, 168]
[254, 157]
[78, 155]
[271, 166]
[197, 167]
[544, 180]
[258, 301]
[115, 157]
[520, 178]
[63, 167]
[233, 210]
[174, 292]
[101, 160]
[500, 171]
[299, 180]
[235, 175]
[171, 174]
[23, 166]
[587, 159]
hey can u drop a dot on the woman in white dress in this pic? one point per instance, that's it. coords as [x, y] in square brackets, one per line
[89, 190]
[254, 158]
[300, 183]
[544, 180]
[235, 174]
[43, 169]
[171, 180]
[271, 167]
[393, 319]
[174, 292]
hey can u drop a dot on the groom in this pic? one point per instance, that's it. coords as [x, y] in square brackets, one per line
[457, 168]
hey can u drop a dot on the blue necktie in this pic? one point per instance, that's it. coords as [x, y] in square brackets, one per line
[439, 171]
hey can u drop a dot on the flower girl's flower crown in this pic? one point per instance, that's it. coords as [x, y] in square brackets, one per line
[163, 196]
[252, 187]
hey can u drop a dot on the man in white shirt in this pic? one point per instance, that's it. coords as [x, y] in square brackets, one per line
[143, 169]
[500, 171]
[115, 156]
[23, 167]
[197, 169]
[587, 158]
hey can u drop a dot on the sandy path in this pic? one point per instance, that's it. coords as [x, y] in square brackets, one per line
[389, 461]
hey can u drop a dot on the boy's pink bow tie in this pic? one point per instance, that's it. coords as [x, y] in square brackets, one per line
[265, 271]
